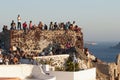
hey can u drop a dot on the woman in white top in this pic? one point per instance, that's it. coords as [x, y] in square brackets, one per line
[19, 22]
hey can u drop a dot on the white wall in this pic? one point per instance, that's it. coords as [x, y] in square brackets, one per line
[23, 71]
[57, 60]
[60, 75]
[89, 74]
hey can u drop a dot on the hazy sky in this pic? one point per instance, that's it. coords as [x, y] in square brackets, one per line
[99, 19]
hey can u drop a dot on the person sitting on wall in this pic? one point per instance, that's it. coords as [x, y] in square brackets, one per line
[14, 48]
[1, 59]
[67, 25]
[1, 50]
[76, 28]
[6, 60]
[68, 45]
[90, 56]
[11, 56]
[87, 52]
[42, 53]
[55, 26]
[30, 25]
[13, 25]
[74, 23]
[51, 26]
[40, 25]
[15, 60]
[45, 27]
[5, 28]
[71, 27]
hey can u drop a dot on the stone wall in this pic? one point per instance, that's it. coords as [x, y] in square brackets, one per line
[59, 61]
[37, 40]
[54, 60]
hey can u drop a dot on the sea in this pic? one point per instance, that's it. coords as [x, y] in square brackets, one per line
[104, 50]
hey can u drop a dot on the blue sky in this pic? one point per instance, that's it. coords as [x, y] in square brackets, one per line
[99, 19]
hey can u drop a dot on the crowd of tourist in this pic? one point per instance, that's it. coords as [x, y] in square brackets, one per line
[14, 55]
[52, 26]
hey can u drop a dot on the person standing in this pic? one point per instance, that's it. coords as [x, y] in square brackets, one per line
[25, 27]
[19, 22]
[74, 24]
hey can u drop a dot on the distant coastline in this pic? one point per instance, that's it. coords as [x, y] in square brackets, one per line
[90, 43]
[117, 46]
